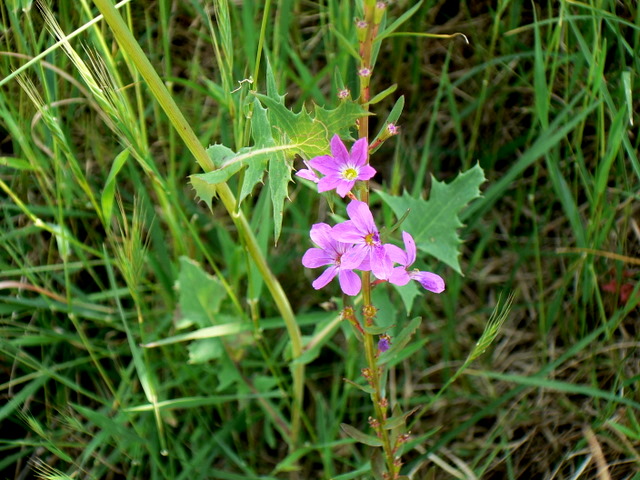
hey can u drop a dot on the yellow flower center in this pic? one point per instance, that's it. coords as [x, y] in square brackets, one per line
[369, 240]
[350, 174]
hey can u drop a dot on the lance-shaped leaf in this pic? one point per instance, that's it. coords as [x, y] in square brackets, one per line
[434, 222]
[361, 437]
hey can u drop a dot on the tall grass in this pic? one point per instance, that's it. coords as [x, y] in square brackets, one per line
[108, 264]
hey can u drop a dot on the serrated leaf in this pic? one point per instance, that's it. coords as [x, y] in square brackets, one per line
[359, 436]
[204, 191]
[279, 178]
[434, 223]
[272, 86]
[311, 134]
[200, 294]
[261, 134]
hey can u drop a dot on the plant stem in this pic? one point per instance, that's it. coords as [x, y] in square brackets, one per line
[373, 371]
[128, 43]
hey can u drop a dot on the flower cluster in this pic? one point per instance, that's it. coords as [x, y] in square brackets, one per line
[355, 243]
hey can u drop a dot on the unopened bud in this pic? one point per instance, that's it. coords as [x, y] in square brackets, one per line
[384, 343]
[361, 30]
[379, 12]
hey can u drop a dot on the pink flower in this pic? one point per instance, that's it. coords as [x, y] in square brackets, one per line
[401, 275]
[342, 169]
[333, 253]
[361, 231]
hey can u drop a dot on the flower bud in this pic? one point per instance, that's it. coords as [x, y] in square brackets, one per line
[384, 343]
[361, 30]
[379, 12]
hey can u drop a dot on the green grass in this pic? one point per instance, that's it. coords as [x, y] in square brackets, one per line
[108, 264]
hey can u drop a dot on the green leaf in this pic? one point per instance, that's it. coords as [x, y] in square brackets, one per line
[377, 465]
[200, 295]
[400, 341]
[201, 351]
[434, 223]
[408, 293]
[383, 94]
[204, 191]
[202, 333]
[279, 177]
[399, 21]
[261, 134]
[106, 200]
[16, 163]
[310, 134]
[393, 117]
[376, 330]
[359, 436]
[400, 419]
[364, 388]
[63, 236]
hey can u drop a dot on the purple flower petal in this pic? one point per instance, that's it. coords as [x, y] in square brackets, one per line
[325, 164]
[365, 265]
[325, 277]
[343, 188]
[355, 257]
[307, 174]
[316, 257]
[366, 172]
[321, 235]
[341, 169]
[329, 182]
[347, 232]
[399, 276]
[410, 246]
[381, 265]
[350, 282]
[396, 254]
[359, 152]
[431, 281]
[361, 216]
[338, 150]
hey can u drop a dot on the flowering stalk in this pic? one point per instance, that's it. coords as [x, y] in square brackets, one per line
[355, 244]
[372, 17]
